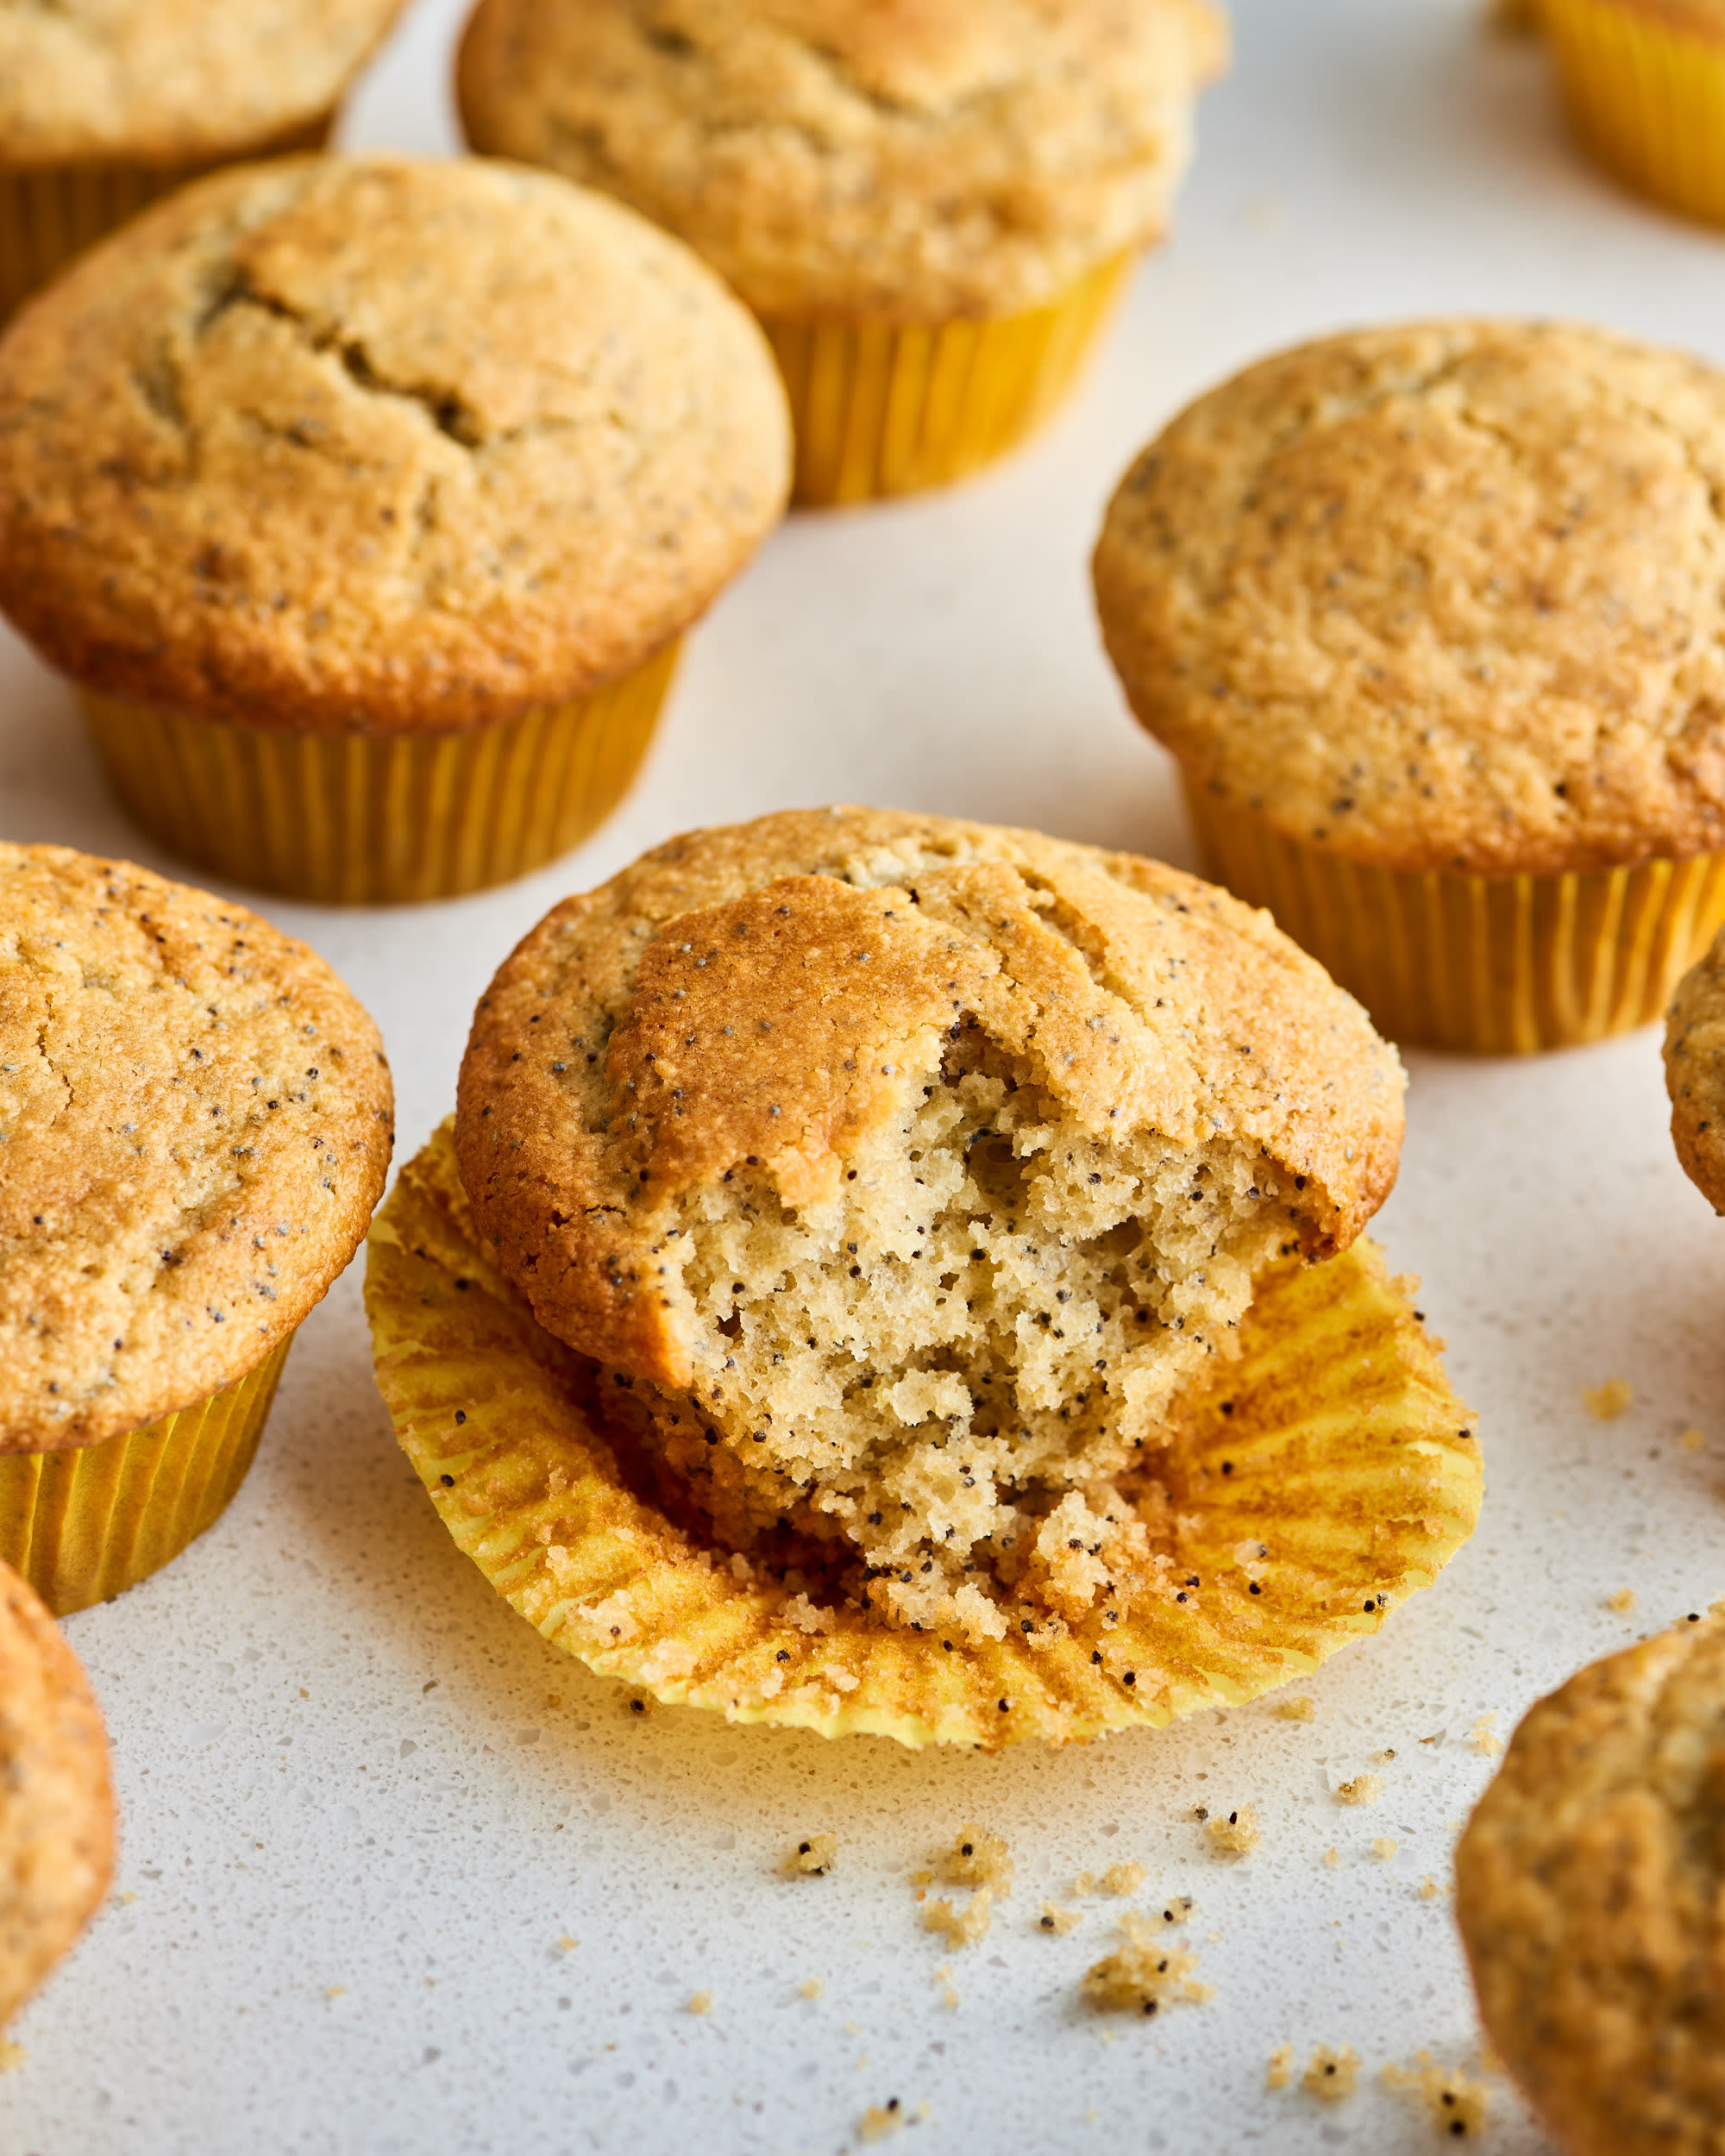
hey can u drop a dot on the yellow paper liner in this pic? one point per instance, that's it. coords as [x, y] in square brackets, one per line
[1335, 1447]
[48, 213]
[883, 408]
[381, 819]
[1494, 965]
[1646, 95]
[83, 1523]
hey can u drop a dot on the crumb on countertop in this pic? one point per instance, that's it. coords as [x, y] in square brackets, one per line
[1484, 1739]
[1059, 1920]
[1237, 1835]
[1692, 1441]
[1429, 1889]
[1364, 1789]
[1385, 1846]
[961, 1928]
[978, 1859]
[1607, 1402]
[880, 2119]
[1457, 2104]
[1122, 1879]
[812, 1858]
[701, 2002]
[1623, 1601]
[1279, 2071]
[1332, 2074]
[1298, 1709]
[567, 1944]
[335, 1991]
[1144, 1975]
[811, 1987]
[12, 2056]
[1332, 1857]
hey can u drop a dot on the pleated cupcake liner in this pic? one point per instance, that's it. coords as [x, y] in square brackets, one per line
[381, 819]
[1647, 94]
[1491, 965]
[49, 213]
[883, 407]
[84, 1523]
[1330, 1474]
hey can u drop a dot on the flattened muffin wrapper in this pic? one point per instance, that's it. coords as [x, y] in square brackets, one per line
[1492, 965]
[83, 1524]
[1332, 1473]
[1646, 95]
[883, 407]
[381, 819]
[49, 213]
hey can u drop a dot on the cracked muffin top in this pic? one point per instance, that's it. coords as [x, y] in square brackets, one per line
[1446, 596]
[169, 81]
[901, 1171]
[1591, 1896]
[195, 1120]
[56, 1797]
[1695, 1072]
[336, 443]
[913, 159]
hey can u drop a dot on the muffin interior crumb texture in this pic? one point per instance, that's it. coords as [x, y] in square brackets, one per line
[943, 1165]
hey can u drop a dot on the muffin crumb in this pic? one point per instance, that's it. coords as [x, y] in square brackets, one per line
[1607, 1401]
[978, 1859]
[812, 1858]
[1484, 1739]
[1298, 1709]
[1059, 1920]
[12, 2056]
[1623, 1601]
[701, 2002]
[1332, 2074]
[1122, 1879]
[1237, 1835]
[567, 1944]
[1457, 2103]
[1279, 2071]
[1333, 1857]
[1385, 1846]
[1364, 1789]
[811, 1988]
[881, 2119]
[961, 1928]
[1144, 1975]
[1428, 1888]
[1693, 1441]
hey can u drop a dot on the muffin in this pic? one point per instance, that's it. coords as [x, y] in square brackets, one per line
[364, 503]
[56, 1797]
[876, 1289]
[931, 209]
[1644, 82]
[195, 1117]
[1694, 1074]
[1589, 1895]
[105, 105]
[1430, 618]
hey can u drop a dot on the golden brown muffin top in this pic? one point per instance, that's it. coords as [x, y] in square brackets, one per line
[195, 1121]
[1446, 596]
[1590, 1894]
[911, 158]
[1695, 1072]
[774, 995]
[56, 1797]
[167, 81]
[335, 443]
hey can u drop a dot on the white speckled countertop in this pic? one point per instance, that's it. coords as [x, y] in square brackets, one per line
[365, 1806]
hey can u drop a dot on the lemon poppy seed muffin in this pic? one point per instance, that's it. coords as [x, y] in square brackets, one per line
[1590, 1897]
[1695, 1072]
[929, 206]
[1430, 618]
[364, 501]
[56, 1797]
[105, 103]
[899, 1173]
[195, 1124]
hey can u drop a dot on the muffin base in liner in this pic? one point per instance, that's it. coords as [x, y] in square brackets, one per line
[1493, 965]
[1646, 96]
[83, 1523]
[883, 408]
[1331, 1473]
[381, 819]
[48, 213]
